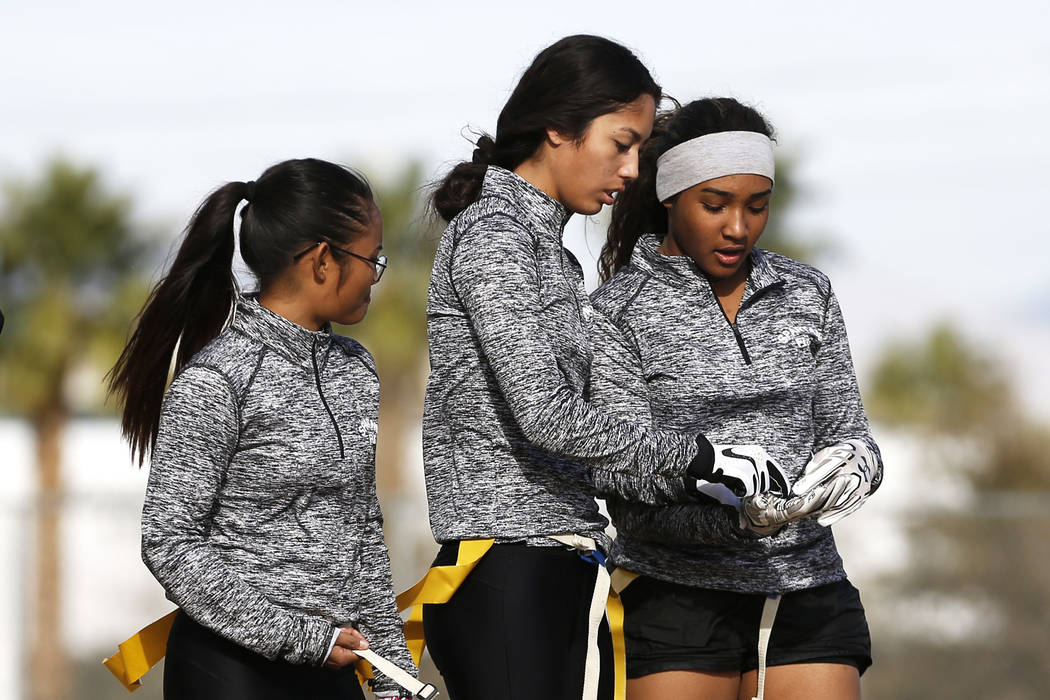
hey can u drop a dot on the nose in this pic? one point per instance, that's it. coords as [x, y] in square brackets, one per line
[736, 224]
[629, 167]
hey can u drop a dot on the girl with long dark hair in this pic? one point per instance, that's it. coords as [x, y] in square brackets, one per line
[513, 451]
[745, 345]
[261, 519]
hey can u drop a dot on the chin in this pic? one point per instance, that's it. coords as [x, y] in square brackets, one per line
[355, 317]
[588, 209]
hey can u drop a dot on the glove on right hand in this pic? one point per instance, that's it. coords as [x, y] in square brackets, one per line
[766, 513]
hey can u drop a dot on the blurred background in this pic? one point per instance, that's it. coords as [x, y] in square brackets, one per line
[913, 170]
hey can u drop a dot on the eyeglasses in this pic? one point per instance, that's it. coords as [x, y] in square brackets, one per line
[378, 263]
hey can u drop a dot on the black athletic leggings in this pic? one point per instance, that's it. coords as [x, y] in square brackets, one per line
[201, 665]
[517, 627]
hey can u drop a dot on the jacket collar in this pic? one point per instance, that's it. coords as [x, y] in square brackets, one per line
[278, 333]
[543, 212]
[680, 271]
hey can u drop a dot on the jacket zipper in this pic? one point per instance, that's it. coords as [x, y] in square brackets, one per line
[739, 338]
[732, 326]
[317, 379]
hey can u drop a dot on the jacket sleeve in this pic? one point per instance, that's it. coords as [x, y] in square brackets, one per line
[380, 622]
[838, 411]
[495, 274]
[694, 523]
[197, 437]
[618, 390]
[618, 387]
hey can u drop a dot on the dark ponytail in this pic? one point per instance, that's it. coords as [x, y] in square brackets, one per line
[637, 211]
[566, 87]
[293, 204]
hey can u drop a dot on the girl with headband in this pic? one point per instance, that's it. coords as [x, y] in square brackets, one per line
[510, 443]
[261, 519]
[718, 336]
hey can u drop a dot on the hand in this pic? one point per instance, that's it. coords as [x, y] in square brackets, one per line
[766, 513]
[843, 472]
[342, 653]
[736, 470]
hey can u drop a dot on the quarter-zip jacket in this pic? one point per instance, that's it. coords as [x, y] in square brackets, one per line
[781, 377]
[510, 443]
[261, 519]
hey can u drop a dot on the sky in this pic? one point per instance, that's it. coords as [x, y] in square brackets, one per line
[919, 132]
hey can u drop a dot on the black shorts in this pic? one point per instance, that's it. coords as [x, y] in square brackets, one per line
[669, 627]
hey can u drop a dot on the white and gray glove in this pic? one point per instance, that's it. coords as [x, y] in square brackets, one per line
[727, 473]
[766, 513]
[842, 472]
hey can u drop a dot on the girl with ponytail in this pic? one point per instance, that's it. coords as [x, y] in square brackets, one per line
[513, 451]
[261, 519]
[713, 334]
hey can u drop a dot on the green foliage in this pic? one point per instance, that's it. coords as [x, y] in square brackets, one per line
[982, 561]
[68, 260]
[941, 384]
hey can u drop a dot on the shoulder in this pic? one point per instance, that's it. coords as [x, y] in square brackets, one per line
[493, 213]
[232, 356]
[798, 274]
[613, 299]
[354, 350]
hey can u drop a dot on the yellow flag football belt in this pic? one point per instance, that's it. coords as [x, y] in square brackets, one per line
[441, 582]
[143, 650]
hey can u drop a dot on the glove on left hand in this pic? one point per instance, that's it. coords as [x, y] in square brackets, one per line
[844, 472]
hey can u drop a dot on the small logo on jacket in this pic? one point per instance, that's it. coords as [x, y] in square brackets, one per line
[369, 427]
[801, 337]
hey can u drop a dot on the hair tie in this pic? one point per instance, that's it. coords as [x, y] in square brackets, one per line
[483, 153]
[249, 190]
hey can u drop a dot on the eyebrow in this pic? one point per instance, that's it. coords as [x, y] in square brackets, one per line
[634, 134]
[730, 195]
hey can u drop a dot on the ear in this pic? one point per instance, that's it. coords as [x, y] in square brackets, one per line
[556, 138]
[321, 264]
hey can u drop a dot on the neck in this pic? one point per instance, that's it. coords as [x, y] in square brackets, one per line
[287, 307]
[722, 286]
[536, 172]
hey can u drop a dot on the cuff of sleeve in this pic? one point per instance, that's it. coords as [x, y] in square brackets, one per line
[316, 640]
[704, 462]
[331, 645]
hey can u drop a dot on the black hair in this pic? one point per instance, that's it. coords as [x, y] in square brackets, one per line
[637, 209]
[291, 205]
[568, 85]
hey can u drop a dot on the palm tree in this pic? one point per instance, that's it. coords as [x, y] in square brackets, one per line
[70, 271]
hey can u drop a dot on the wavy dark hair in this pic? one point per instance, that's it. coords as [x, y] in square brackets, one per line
[291, 205]
[568, 85]
[637, 210]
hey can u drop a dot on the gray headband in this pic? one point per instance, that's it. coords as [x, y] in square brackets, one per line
[712, 156]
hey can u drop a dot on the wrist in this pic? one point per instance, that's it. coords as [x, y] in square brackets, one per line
[331, 645]
[703, 464]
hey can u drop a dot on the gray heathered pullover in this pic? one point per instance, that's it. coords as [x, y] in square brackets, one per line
[780, 377]
[261, 519]
[509, 440]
